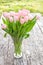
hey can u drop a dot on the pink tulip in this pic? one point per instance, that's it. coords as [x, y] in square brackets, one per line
[6, 14]
[16, 16]
[10, 19]
[26, 18]
[22, 20]
[24, 12]
[38, 16]
[3, 26]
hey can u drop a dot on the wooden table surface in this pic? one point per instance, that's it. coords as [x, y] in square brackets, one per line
[32, 48]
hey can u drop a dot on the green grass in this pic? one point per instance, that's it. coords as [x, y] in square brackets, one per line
[11, 5]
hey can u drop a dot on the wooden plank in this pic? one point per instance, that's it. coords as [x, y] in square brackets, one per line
[2, 60]
[40, 24]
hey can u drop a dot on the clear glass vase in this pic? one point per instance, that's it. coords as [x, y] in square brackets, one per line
[17, 48]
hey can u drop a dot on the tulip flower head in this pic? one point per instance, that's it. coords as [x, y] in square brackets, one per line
[3, 26]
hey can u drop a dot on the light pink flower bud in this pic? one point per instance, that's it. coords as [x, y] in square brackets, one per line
[38, 16]
[3, 26]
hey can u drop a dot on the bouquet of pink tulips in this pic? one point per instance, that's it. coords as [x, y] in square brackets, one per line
[18, 25]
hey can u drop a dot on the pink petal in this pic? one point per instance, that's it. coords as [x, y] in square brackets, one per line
[3, 26]
[22, 21]
[6, 14]
[26, 18]
[12, 13]
[38, 15]
[11, 19]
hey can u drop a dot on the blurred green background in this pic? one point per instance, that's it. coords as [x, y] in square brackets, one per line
[15, 5]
